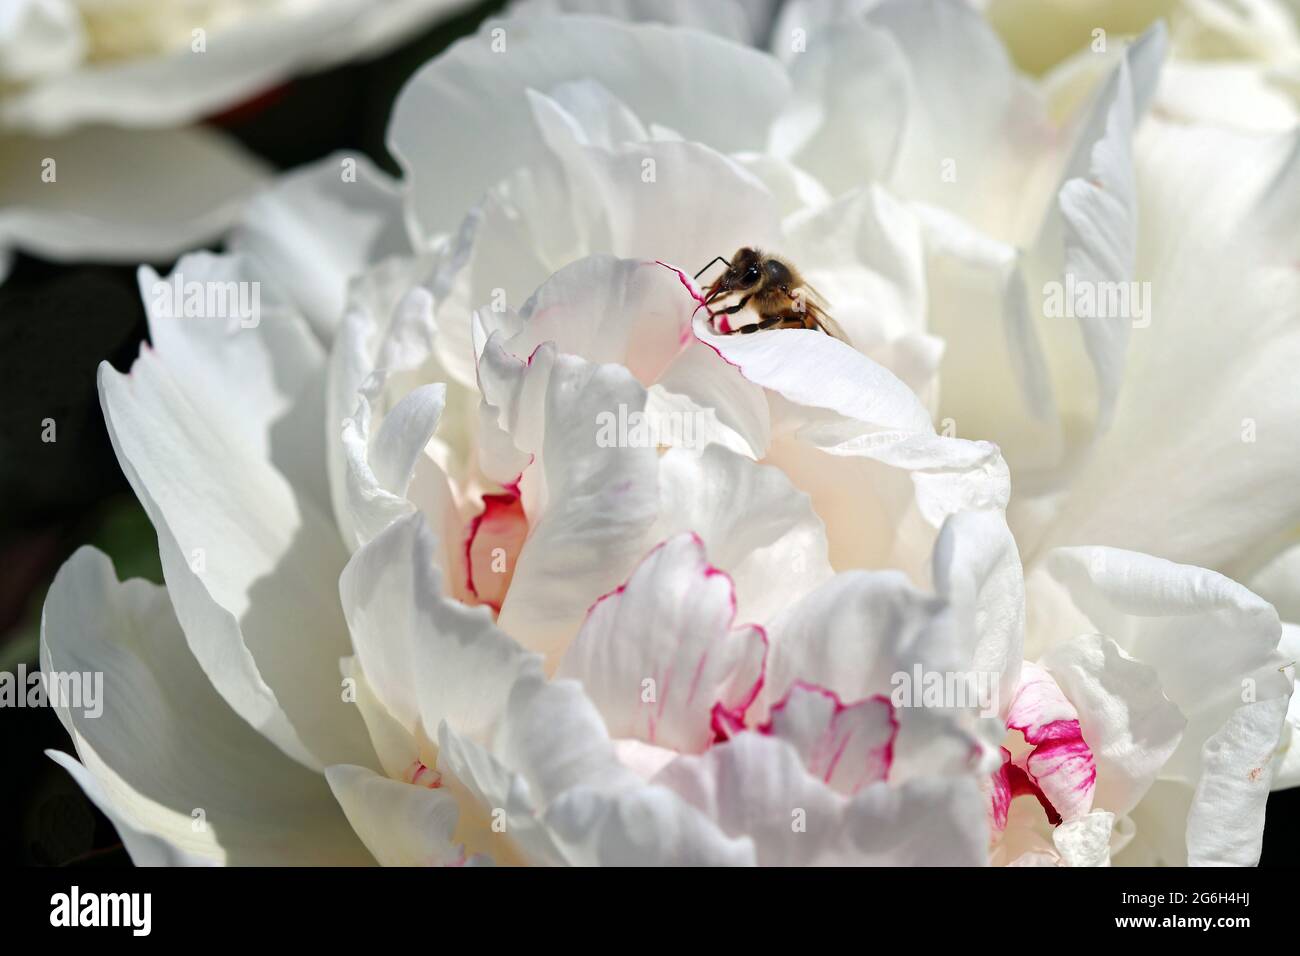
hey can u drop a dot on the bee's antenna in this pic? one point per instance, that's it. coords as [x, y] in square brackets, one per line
[711, 261]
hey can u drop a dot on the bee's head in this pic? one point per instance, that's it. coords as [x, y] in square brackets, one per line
[746, 270]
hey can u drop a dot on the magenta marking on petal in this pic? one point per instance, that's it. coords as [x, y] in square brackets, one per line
[512, 486]
[725, 723]
[838, 706]
[492, 504]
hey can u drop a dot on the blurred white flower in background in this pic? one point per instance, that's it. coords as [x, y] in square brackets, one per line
[554, 650]
[108, 89]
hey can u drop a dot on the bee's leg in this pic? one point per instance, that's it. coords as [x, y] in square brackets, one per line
[735, 308]
[766, 323]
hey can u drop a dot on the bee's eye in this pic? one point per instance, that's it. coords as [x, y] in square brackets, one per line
[750, 276]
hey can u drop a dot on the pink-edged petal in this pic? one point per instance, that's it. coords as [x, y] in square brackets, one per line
[847, 746]
[1061, 763]
[660, 653]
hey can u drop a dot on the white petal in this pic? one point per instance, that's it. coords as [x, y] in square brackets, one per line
[401, 824]
[1085, 841]
[657, 71]
[278, 405]
[240, 58]
[755, 786]
[119, 195]
[1130, 726]
[743, 22]
[755, 525]
[187, 776]
[845, 120]
[428, 658]
[252, 568]
[319, 226]
[380, 468]
[1194, 467]
[592, 506]
[971, 109]
[39, 38]
[977, 569]
[647, 826]
[1225, 826]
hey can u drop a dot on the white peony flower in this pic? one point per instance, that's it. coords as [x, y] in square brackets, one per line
[97, 154]
[611, 587]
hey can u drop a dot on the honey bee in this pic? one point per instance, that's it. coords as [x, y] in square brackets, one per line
[773, 289]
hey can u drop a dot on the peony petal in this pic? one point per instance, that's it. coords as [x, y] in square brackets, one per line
[277, 407]
[744, 22]
[647, 826]
[1085, 841]
[660, 653]
[1130, 726]
[977, 569]
[1061, 763]
[753, 523]
[167, 759]
[1210, 640]
[400, 824]
[657, 71]
[1207, 196]
[846, 746]
[380, 470]
[985, 128]
[755, 786]
[320, 225]
[428, 658]
[168, 191]
[253, 53]
[251, 567]
[1225, 826]
[590, 507]
[845, 123]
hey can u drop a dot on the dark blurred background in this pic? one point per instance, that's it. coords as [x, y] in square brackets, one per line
[57, 323]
